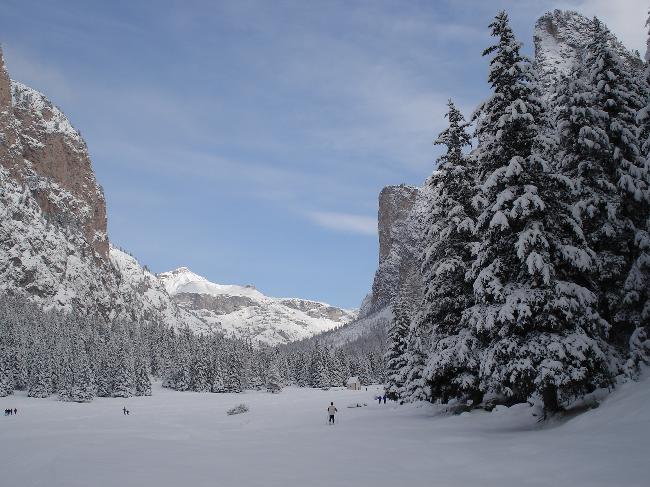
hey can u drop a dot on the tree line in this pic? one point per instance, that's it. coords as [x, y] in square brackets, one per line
[79, 357]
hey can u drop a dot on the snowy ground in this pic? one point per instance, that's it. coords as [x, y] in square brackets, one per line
[186, 439]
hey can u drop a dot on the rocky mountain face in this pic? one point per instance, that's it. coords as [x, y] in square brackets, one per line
[53, 241]
[245, 312]
[401, 216]
[45, 153]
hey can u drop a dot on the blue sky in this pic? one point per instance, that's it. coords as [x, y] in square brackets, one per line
[248, 140]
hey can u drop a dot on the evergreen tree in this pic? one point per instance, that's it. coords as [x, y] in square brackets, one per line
[637, 282]
[362, 370]
[40, 377]
[600, 152]
[533, 315]
[6, 379]
[303, 370]
[217, 383]
[20, 359]
[415, 386]
[142, 377]
[200, 370]
[77, 381]
[451, 368]
[319, 372]
[233, 369]
[179, 371]
[273, 381]
[104, 377]
[123, 374]
[396, 354]
[343, 366]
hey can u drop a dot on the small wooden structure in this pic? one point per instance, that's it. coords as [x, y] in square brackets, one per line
[353, 383]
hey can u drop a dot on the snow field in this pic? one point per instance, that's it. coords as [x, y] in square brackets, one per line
[186, 439]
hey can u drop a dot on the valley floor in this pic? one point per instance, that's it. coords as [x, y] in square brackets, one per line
[186, 439]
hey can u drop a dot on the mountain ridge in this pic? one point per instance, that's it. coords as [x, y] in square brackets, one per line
[245, 312]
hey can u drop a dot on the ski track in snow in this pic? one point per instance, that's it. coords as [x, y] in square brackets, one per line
[178, 438]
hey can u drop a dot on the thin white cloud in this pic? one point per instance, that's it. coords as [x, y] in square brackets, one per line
[344, 222]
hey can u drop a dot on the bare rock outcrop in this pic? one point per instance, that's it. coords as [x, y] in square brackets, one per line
[400, 226]
[46, 154]
[54, 248]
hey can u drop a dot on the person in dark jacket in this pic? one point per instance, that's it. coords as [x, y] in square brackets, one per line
[331, 410]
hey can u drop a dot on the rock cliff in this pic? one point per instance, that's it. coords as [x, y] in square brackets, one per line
[54, 246]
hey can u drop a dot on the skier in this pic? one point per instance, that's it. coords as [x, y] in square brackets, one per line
[124, 410]
[331, 410]
[384, 398]
[15, 411]
[379, 399]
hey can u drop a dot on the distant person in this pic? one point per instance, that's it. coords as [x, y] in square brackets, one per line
[331, 410]
[379, 399]
[127, 412]
[15, 411]
[124, 410]
[384, 398]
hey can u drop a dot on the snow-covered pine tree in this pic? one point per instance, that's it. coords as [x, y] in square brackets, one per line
[600, 152]
[201, 368]
[6, 379]
[342, 363]
[273, 381]
[395, 356]
[123, 373]
[362, 370]
[319, 372]
[246, 369]
[216, 367]
[178, 375]
[39, 383]
[533, 315]
[338, 367]
[20, 359]
[233, 369]
[105, 368]
[415, 386]
[637, 282]
[77, 380]
[142, 377]
[302, 370]
[451, 368]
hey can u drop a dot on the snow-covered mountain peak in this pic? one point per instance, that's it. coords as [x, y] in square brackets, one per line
[183, 280]
[245, 312]
[174, 280]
